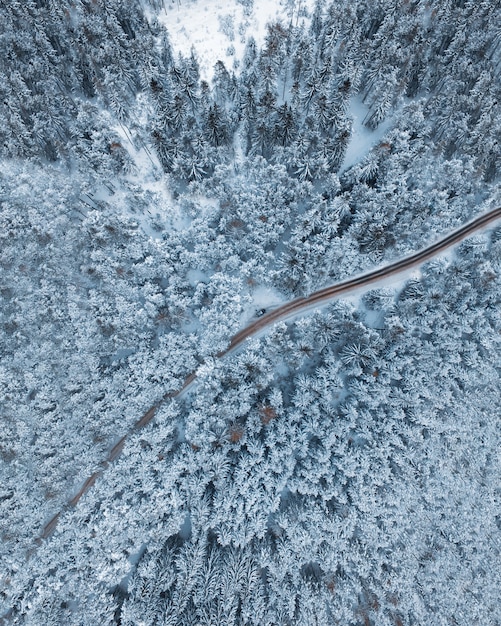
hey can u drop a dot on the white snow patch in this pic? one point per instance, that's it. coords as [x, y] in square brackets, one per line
[373, 319]
[195, 277]
[263, 298]
[218, 30]
[149, 177]
[238, 148]
[205, 205]
[362, 138]
[266, 297]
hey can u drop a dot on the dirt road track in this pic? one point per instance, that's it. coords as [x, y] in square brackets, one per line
[286, 311]
[328, 293]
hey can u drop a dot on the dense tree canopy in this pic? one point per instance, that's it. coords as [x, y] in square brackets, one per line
[341, 468]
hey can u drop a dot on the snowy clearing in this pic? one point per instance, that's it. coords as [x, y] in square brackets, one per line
[263, 299]
[362, 139]
[218, 31]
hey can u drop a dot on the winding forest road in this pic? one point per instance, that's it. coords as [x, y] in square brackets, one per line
[286, 311]
[292, 308]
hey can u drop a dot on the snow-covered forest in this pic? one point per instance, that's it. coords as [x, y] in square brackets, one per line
[170, 170]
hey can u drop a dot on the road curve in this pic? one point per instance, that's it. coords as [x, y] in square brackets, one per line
[286, 311]
[289, 309]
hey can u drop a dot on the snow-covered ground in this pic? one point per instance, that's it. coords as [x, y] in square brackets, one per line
[263, 298]
[362, 138]
[148, 176]
[219, 29]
